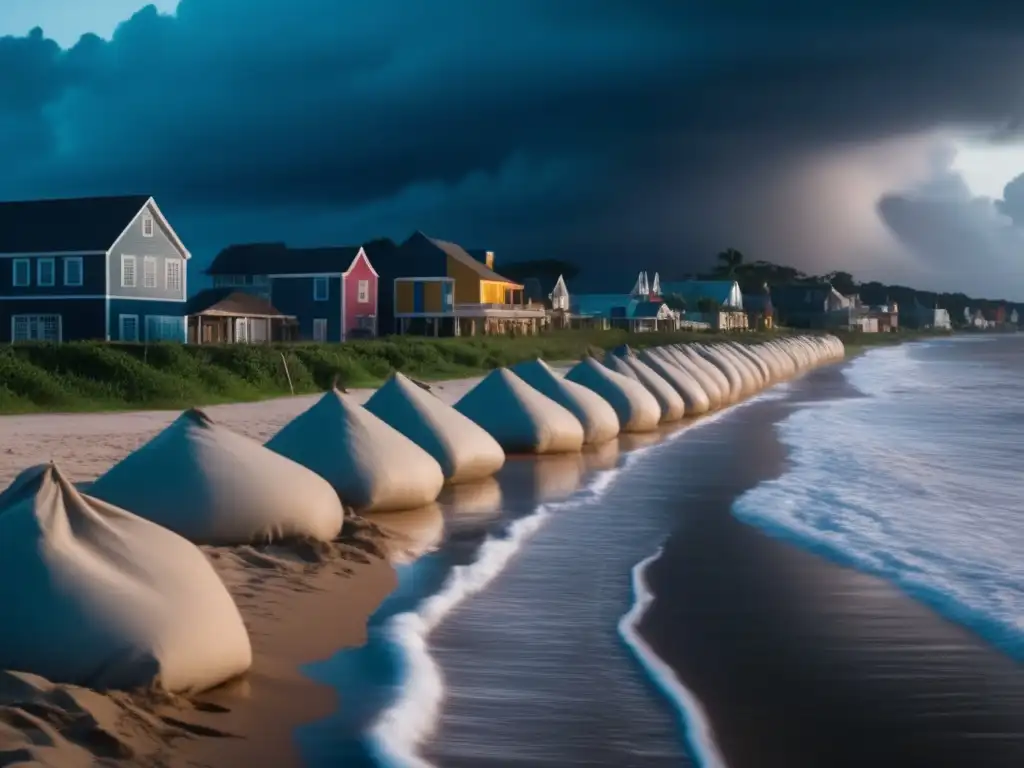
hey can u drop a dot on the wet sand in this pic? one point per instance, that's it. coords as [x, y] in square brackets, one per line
[800, 662]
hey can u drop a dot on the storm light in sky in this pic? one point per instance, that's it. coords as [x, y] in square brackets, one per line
[987, 167]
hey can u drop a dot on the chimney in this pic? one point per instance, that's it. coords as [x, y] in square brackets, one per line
[489, 259]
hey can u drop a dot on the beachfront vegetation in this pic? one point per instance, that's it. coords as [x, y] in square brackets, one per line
[91, 376]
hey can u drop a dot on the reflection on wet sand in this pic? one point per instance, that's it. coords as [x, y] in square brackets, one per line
[602, 457]
[633, 441]
[411, 533]
[548, 478]
[471, 505]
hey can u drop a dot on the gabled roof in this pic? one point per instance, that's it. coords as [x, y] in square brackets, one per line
[67, 225]
[279, 259]
[694, 290]
[646, 309]
[598, 304]
[459, 254]
[560, 288]
[228, 301]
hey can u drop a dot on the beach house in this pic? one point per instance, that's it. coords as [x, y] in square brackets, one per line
[719, 303]
[437, 288]
[107, 268]
[330, 293]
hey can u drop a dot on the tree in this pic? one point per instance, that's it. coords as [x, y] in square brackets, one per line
[842, 282]
[675, 301]
[730, 260]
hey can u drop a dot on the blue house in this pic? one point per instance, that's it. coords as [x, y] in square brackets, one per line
[108, 268]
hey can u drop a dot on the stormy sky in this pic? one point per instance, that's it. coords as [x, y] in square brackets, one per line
[620, 135]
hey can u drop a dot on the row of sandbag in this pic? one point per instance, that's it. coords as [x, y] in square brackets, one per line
[140, 604]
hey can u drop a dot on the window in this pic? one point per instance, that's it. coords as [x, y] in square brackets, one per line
[22, 273]
[320, 329]
[147, 226]
[127, 271]
[364, 291]
[128, 327]
[36, 328]
[149, 272]
[73, 271]
[165, 328]
[320, 289]
[172, 274]
[46, 272]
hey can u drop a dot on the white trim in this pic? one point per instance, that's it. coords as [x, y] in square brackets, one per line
[135, 270]
[150, 205]
[60, 323]
[327, 328]
[106, 295]
[92, 296]
[39, 272]
[50, 253]
[360, 254]
[120, 327]
[146, 262]
[343, 325]
[359, 292]
[81, 271]
[14, 273]
[327, 288]
[147, 218]
[181, 275]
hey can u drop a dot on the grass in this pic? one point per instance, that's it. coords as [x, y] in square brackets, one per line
[97, 376]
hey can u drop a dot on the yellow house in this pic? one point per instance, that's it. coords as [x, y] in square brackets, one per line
[442, 290]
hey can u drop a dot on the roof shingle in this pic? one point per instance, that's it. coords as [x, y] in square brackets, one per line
[66, 225]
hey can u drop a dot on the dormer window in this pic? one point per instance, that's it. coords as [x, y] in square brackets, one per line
[147, 226]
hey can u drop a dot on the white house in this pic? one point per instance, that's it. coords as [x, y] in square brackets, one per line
[559, 296]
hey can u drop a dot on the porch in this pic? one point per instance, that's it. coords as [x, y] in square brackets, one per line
[232, 317]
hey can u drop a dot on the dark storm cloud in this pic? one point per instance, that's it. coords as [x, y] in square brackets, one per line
[579, 128]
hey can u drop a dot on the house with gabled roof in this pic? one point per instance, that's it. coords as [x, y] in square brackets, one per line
[331, 292]
[107, 268]
[437, 287]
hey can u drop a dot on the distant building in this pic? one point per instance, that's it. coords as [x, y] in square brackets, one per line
[330, 291]
[725, 297]
[559, 296]
[919, 316]
[1014, 317]
[107, 268]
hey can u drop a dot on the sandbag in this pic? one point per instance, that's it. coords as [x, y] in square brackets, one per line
[519, 417]
[465, 451]
[599, 420]
[93, 595]
[371, 465]
[213, 486]
[717, 394]
[695, 399]
[672, 406]
[636, 408]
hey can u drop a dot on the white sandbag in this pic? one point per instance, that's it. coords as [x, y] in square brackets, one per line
[213, 486]
[710, 369]
[717, 394]
[743, 351]
[465, 451]
[745, 367]
[519, 417]
[777, 367]
[371, 465]
[695, 399]
[672, 406]
[599, 420]
[738, 385]
[93, 595]
[636, 408]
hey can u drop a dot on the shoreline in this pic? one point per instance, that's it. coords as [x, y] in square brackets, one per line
[800, 661]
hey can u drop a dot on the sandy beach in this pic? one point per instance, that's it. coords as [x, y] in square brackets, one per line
[299, 606]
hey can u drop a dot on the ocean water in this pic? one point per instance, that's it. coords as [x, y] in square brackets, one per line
[515, 641]
[918, 480]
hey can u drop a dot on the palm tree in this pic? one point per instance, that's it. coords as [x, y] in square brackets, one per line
[731, 260]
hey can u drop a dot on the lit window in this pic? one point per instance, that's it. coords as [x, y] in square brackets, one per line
[364, 291]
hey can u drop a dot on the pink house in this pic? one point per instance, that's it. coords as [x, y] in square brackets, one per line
[359, 298]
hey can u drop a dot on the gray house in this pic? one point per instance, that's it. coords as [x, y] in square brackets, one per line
[108, 268]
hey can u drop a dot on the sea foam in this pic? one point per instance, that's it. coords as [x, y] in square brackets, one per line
[917, 482]
[411, 720]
